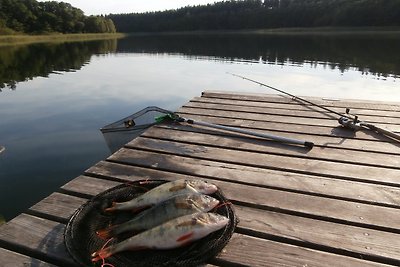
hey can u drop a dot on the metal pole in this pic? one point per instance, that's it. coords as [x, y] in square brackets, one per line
[238, 130]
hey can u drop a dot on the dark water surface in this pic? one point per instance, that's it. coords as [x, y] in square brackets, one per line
[55, 97]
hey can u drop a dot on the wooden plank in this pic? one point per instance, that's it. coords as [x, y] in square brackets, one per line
[13, 259]
[252, 251]
[296, 106]
[339, 133]
[87, 188]
[47, 241]
[36, 236]
[314, 114]
[263, 253]
[341, 239]
[315, 233]
[311, 206]
[265, 146]
[342, 144]
[276, 118]
[347, 103]
[346, 190]
[299, 165]
[59, 205]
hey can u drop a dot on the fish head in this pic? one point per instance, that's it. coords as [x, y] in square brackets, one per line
[202, 186]
[213, 221]
[203, 202]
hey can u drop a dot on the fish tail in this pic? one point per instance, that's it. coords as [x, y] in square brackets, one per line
[112, 208]
[102, 254]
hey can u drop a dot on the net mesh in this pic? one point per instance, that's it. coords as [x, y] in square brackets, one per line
[81, 239]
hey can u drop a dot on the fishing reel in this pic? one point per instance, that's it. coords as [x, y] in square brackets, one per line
[347, 122]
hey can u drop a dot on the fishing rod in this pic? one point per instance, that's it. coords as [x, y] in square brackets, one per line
[346, 120]
[177, 118]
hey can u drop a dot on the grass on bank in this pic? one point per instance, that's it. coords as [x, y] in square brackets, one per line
[56, 38]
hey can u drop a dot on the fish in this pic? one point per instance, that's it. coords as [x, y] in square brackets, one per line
[172, 234]
[162, 193]
[172, 208]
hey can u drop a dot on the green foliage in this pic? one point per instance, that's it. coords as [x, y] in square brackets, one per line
[257, 14]
[22, 63]
[30, 16]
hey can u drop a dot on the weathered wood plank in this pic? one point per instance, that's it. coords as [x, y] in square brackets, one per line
[313, 114]
[36, 236]
[352, 191]
[48, 241]
[296, 106]
[313, 233]
[13, 259]
[86, 187]
[265, 146]
[339, 210]
[347, 103]
[345, 239]
[59, 205]
[252, 251]
[276, 118]
[269, 161]
[341, 136]
[89, 186]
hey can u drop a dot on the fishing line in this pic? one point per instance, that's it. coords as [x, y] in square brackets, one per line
[345, 120]
[104, 263]
[292, 96]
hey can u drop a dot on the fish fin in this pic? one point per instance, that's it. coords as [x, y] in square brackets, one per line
[183, 205]
[101, 254]
[191, 222]
[106, 233]
[139, 209]
[185, 238]
[112, 208]
[177, 187]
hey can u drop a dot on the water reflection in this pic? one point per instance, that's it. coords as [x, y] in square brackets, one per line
[21, 63]
[369, 54]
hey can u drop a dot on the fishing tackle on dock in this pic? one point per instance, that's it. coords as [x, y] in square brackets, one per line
[347, 120]
[177, 118]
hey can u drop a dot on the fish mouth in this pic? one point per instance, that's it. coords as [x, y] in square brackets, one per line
[210, 189]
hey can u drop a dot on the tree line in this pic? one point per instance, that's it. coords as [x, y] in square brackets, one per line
[33, 17]
[257, 14]
[25, 62]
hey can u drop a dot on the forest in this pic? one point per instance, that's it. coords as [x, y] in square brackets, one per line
[33, 17]
[257, 14]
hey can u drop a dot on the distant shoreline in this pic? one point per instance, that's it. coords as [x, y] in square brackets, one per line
[55, 38]
[286, 31]
[59, 38]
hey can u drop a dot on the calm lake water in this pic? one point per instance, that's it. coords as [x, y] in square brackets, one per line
[55, 97]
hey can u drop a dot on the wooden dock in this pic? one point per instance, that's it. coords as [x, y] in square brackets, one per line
[334, 205]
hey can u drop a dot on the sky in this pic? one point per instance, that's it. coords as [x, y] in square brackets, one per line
[98, 7]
